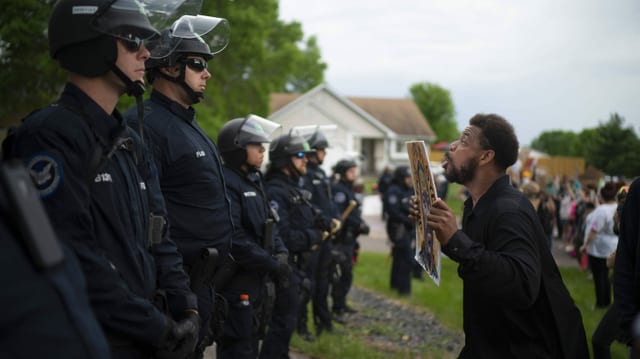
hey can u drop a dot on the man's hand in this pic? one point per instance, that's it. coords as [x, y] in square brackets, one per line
[181, 338]
[442, 220]
[414, 209]
[364, 228]
[284, 270]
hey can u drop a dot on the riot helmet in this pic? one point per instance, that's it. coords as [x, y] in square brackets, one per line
[400, 173]
[202, 36]
[236, 134]
[283, 147]
[83, 33]
[341, 168]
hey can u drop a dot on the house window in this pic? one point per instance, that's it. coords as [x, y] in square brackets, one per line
[401, 146]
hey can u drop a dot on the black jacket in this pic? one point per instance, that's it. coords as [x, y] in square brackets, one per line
[191, 177]
[515, 303]
[102, 212]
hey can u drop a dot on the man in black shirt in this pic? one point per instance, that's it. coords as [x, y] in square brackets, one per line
[514, 301]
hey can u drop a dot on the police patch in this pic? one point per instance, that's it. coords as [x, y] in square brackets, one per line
[339, 197]
[274, 205]
[393, 199]
[46, 172]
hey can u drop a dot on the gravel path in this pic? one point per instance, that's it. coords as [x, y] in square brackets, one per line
[394, 325]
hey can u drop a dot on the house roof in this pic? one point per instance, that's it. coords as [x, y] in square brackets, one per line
[280, 100]
[402, 116]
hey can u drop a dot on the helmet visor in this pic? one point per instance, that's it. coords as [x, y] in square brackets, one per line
[212, 31]
[136, 21]
[256, 129]
[317, 135]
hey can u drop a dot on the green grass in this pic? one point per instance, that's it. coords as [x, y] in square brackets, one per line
[445, 302]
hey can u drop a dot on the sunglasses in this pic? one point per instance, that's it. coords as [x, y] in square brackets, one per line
[300, 155]
[131, 42]
[195, 64]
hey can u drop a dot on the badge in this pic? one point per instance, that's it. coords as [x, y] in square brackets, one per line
[274, 205]
[46, 172]
[339, 197]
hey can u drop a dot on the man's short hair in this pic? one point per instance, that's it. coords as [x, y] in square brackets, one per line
[498, 135]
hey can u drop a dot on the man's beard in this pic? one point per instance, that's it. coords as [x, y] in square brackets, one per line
[462, 175]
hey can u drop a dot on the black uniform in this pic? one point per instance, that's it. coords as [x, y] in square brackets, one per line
[101, 208]
[345, 243]
[46, 310]
[317, 182]
[300, 234]
[254, 256]
[401, 233]
[192, 182]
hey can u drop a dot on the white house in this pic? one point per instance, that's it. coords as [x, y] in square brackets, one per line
[372, 130]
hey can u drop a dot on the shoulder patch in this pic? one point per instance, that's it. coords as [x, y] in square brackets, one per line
[274, 205]
[46, 172]
[339, 197]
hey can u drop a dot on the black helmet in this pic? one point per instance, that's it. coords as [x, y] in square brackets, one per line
[317, 140]
[343, 166]
[400, 173]
[82, 32]
[237, 133]
[190, 35]
[285, 146]
[187, 36]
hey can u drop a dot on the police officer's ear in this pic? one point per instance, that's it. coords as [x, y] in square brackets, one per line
[172, 71]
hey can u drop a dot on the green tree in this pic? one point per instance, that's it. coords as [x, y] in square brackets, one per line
[616, 148]
[436, 105]
[265, 55]
[29, 78]
[558, 143]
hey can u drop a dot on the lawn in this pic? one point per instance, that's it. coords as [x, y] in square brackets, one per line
[372, 271]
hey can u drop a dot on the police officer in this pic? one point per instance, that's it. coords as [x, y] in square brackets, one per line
[46, 310]
[258, 249]
[300, 230]
[400, 230]
[91, 172]
[319, 185]
[346, 240]
[188, 163]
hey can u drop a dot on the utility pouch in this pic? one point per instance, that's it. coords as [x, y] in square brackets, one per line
[31, 217]
[268, 234]
[225, 272]
[156, 228]
[203, 270]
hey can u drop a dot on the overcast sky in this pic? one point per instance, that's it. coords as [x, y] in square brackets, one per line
[542, 64]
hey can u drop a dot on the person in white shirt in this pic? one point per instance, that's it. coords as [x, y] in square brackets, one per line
[600, 242]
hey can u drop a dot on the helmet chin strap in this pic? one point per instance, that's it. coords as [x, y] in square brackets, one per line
[135, 89]
[295, 172]
[194, 96]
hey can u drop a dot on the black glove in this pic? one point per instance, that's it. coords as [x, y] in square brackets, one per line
[322, 223]
[181, 338]
[364, 228]
[283, 272]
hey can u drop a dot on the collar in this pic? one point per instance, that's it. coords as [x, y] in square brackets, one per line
[106, 126]
[186, 114]
[488, 197]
